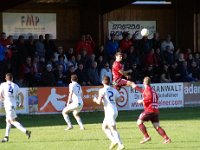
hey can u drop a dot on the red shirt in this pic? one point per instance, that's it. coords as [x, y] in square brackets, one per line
[150, 97]
[115, 70]
[125, 45]
[84, 45]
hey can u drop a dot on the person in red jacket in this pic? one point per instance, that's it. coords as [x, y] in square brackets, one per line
[151, 112]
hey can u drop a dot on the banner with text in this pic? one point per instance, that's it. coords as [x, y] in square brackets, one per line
[29, 24]
[192, 94]
[132, 27]
[170, 96]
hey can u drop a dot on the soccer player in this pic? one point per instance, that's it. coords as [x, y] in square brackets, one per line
[74, 103]
[151, 112]
[118, 72]
[9, 91]
[108, 96]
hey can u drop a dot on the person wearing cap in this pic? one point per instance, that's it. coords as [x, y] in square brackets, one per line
[118, 73]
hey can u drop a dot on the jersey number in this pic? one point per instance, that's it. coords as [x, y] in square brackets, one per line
[110, 96]
[10, 90]
[78, 88]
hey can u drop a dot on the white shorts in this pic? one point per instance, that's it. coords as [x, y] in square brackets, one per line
[74, 107]
[10, 113]
[110, 118]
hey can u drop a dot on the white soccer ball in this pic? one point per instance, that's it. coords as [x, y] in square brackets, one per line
[144, 32]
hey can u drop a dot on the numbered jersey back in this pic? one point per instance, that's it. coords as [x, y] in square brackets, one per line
[9, 91]
[109, 95]
[75, 88]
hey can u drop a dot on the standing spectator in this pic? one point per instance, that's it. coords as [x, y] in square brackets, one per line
[133, 56]
[175, 73]
[135, 75]
[83, 44]
[93, 74]
[90, 41]
[37, 70]
[2, 61]
[111, 46]
[151, 58]
[40, 47]
[144, 46]
[3, 40]
[156, 42]
[49, 47]
[125, 43]
[106, 71]
[22, 50]
[167, 44]
[101, 52]
[30, 44]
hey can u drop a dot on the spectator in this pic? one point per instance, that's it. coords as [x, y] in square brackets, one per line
[59, 52]
[151, 58]
[175, 73]
[72, 62]
[195, 71]
[22, 50]
[101, 52]
[62, 62]
[135, 75]
[30, 44]
[2, 62]
[3, 40]
[144, 46]
[167, 44]
[105, 71]
[27, 72]
[37, 70]
[156, 42]
[93, 75]
[152, 74]
[125, 43]
[83, 44]
[82, 75]
[48, 77]
[111, 46]
[49, 46]
[165, 75]
[169, 55]
[133, 57]
[40, 47]
[69, 73]
[197, 59]
[69, 53]
[60, 77]
[90, 41]
[100, 63]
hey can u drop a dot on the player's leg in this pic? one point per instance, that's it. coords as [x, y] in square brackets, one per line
[65, 112]
[117, 138]
[162, 132]
[78, 118]
[109, 134]
[140, 123]
[8, 127]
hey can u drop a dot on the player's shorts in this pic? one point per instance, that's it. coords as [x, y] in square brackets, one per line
[119, 83]
[10, 113]
[110, 118]
[74, 107]
[149, 116]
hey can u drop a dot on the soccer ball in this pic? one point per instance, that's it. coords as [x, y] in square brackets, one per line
[144, 32]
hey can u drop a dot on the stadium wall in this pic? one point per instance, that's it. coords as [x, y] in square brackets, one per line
[50, 100]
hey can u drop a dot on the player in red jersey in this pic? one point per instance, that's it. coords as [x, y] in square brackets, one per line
[151, 112]
[118, 73]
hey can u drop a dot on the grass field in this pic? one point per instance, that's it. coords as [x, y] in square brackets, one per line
[182, 125]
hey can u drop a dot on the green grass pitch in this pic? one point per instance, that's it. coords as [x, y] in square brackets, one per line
[182, 125]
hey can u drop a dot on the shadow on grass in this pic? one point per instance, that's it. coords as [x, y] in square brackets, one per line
[97, 117]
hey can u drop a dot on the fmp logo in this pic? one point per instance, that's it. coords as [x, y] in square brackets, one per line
[124, 96]
[30, 20]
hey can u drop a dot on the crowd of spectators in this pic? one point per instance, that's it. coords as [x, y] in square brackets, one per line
[40, 62]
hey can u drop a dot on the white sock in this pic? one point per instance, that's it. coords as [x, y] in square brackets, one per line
[116, 136]
[8, 127]
[19, 126]
[109, 135]
[67, 120]
[79, 121]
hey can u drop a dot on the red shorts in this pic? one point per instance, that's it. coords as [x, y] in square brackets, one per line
[119, 83]
[146, 116]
